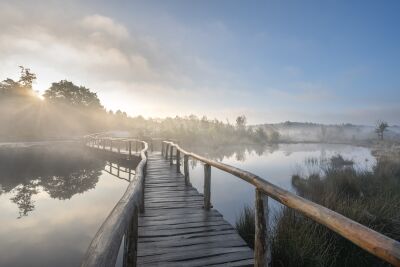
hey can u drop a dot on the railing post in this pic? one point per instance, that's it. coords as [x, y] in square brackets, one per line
[171, 152]
[166, 151]
[186, 168]
[207, 186]
[131, 237]
[130, 150]
[262, 250]
[178, 160]
[162, 148]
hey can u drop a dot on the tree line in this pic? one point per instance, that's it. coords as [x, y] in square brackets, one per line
[68, 110]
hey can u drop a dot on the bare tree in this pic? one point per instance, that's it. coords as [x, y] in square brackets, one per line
[381, 127]
[241, 122]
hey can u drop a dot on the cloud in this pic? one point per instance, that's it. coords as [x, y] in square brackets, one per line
[156, 65]
[98, 24]
[129, 70]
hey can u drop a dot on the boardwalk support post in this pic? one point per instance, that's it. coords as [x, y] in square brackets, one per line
[131, 237]
[166, 151]
[171, 152]
[207, 186]
[262, 251]
[178, 160]
[162, 148]
[130, 149]
[186, 168]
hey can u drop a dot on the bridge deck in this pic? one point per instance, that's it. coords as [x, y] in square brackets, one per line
[176, 231]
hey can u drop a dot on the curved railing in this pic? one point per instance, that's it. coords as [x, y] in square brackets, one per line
[122, 221]
[364, 237]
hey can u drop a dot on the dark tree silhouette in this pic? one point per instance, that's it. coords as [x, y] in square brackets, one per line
[381, 127]
[22, 87]
[62, 171]
[23, 198]
[241, 121]
[66, 92]
[65, 186]
[27, 77]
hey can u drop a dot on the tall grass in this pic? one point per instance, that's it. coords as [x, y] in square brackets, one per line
[371, 198]
[245, 225]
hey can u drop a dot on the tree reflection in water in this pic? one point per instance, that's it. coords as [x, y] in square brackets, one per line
[218, 153]
[23, 197]
[60, 170]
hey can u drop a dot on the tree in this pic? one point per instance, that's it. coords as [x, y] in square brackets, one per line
[68, 93]
[27, 78]
[261, 135]
[22, 87]
[274, 136]
[381, 127]
[241, 122]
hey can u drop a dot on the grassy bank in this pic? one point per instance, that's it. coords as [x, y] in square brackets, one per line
[371, 198]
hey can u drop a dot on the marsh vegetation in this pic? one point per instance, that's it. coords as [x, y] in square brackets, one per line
[370, 197]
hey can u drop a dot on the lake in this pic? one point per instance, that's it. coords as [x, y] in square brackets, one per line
[276, 164]
[53, 198]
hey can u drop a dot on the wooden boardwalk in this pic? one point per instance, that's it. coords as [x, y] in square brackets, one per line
[175, 230]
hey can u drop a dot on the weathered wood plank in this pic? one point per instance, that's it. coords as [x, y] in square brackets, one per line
[176, 230]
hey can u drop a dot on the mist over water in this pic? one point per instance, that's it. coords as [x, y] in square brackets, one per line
[275, 164]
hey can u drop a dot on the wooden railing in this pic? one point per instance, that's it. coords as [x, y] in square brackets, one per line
[375, 243]
[123, 219]
[119, 169]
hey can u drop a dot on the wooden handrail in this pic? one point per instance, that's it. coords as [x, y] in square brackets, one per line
[122, 220]
[375, 243]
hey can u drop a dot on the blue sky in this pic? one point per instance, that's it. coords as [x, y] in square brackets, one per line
[322, 61]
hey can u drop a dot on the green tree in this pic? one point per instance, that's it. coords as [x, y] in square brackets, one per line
[68, 93]
[381, 127]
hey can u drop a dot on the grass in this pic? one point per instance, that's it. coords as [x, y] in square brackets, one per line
[371, 198]
[245, 225]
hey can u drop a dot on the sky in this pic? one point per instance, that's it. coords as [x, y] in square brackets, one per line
[320, 61]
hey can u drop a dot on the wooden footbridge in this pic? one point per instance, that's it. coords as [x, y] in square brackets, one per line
[163, 221]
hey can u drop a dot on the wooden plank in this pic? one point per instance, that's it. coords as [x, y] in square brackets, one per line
[175, 229]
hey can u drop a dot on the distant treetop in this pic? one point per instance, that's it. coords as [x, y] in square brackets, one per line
[65, 92]
[22, 87]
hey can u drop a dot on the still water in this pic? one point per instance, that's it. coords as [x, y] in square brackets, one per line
[275, 164]
[54, 198]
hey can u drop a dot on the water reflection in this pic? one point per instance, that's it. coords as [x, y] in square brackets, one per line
[23, 198]
[275, 163]
[119, 171]
[61, 195]
[60, 171]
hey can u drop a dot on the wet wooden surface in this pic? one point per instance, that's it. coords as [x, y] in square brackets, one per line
[175, 230]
